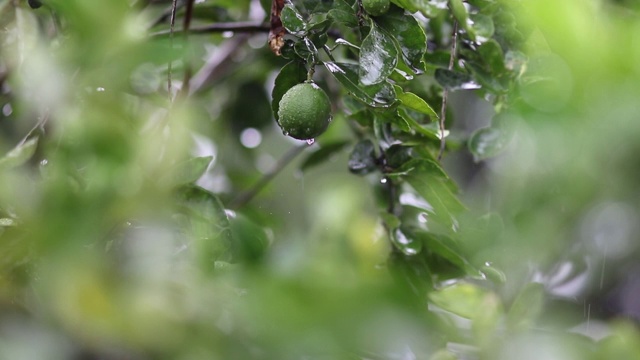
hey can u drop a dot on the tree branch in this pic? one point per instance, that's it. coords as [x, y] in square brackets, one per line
[248, 195]
[241, 26]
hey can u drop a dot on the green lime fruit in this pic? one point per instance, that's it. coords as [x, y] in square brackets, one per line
[376, 7]
[304, 112]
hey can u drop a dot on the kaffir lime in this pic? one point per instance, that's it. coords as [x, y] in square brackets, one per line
[304, 112]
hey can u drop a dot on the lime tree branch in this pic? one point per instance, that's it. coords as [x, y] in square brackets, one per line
[240, 26]
[248, 195]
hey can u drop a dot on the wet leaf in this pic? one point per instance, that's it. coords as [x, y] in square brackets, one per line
[307, 50]
[526, 307]
[323, 154]
[491, 54]
[19, 154]
[452, 80]
[362, 160]
[407, 244]
[414, 102]
[429, 9]
[431, 182]
[378, 57]
[488, 142]
[462, 15]
[343, 13]
[409, 35]
[293, 21]
[293, 73]
[379, 95]
[186, 172]
[445, 247]
[482, 26]
[392, 116]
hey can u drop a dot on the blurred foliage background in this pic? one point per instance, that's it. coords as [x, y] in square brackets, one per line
[127, 229]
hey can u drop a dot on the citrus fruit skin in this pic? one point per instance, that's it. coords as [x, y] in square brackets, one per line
[376, 7]
[304, 112]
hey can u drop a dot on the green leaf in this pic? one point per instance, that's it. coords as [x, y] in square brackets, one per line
[405, 243]
[445, 247]
[379, 95]
[526, 307]
[343, 13]
[430, 9]
[492, 56]
[462, 15]
[363, 158]
[208, 226]
[414, 102]
[293, 73]
[322, 154]
[432, 183]
[488, 142]
[293, 21]
[186, 172]
[19, 154]
[393, 116]
[408, 34]
[482, 26]
[463, 299]
[378, 57]
[452, 80]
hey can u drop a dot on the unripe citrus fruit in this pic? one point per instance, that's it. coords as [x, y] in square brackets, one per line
[305, 111]
[375, 7]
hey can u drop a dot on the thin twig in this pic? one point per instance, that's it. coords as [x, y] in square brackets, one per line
[174, 6]
[239, 26]
[188, 71]
[445, 92]
[248, 195]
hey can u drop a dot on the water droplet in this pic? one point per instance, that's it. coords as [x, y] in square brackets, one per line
[487, 263]
[230, 213]
[331, 118]
[44, 162]
[423, 217]
[286, 133]
[383, 181]
[311, 141]
[100, 89]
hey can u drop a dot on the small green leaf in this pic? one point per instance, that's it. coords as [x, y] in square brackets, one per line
[452, 80]
[491, 54]
[488, 142]
[430, 9]
[432, 183]
[463, 299]
[378, 57]
[343, 13]
[393, 116]
[526, 307]
[362, 160]
[19, 154]
[414, 102]
[408, 34]
[293, 21]
[293, 73]
[208, 226]
[445, 247]
[186, 172]
[462, 15]
[323, 154]
[379, 95]
[482, 26]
